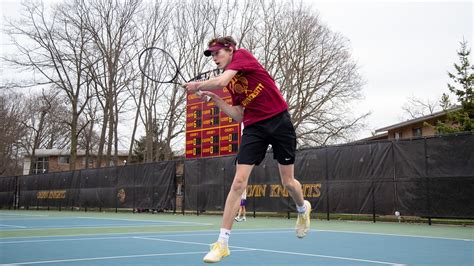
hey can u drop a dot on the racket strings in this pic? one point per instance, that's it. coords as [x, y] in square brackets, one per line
[158, 66]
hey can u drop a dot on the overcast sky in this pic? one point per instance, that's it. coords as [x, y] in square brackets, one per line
[404, 48]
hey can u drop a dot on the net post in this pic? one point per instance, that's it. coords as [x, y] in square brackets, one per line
[428, 190]
[254, 213]
[373, 202]
[116, 189]
[183, 190]
[223, 188]
[327, 184]
[198, 188]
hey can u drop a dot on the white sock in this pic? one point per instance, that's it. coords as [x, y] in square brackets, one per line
[224, 236]
[301, 209]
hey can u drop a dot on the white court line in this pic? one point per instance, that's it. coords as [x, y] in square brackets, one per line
[329, 257]
[236, 231]
[24, 219]
[114, 219]
[113, 257]
[125, 237]
[379, 234]
[135, 220]
[31, 215]
[276, 251]
[398, 235]
[64, 239]
[101, 226]
[16, 226]
[134, 233]
[179, 241]
[291, 230]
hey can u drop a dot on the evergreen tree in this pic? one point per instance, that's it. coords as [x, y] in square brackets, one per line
[461, 120]
[445, 102]
[139, 151]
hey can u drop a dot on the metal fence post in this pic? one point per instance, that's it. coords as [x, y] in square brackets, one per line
[327, 184]
[428, 191]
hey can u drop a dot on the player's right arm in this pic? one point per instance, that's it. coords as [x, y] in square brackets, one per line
[215, 83]
[236, 112]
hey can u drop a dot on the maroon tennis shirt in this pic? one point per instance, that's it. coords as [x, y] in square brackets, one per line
[254, 89]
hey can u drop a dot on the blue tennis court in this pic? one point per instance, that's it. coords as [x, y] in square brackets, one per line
[182, 240]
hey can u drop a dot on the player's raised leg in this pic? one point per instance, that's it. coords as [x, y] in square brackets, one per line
[303, 206]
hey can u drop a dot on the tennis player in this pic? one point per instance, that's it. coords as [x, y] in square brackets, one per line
[259, 104]
[241, 216]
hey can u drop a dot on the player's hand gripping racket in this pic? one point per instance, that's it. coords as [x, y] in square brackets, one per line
[159, 66]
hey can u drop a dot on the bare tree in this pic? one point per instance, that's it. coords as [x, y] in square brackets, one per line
[55, 48]
[45, 117]
[110, 24]
[315, 72]
[311, 64]
[12, 131]
[415, 107]
[89, 139]
[88, 51]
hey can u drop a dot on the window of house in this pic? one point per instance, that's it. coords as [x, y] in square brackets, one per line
[179, 190]
[41, 165]
[417, 132]
[63, 160]
[91, 161]
[398, 135]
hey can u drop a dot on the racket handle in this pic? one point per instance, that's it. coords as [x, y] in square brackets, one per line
[207, 98]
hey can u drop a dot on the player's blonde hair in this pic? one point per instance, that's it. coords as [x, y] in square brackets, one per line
[226, 41]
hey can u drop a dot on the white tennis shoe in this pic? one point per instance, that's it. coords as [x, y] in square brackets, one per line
[304, 220]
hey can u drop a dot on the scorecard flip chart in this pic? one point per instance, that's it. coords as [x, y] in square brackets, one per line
[210, 132]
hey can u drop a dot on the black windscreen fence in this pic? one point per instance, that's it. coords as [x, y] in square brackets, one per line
[207, 183]
[8, 190]
[145, 186]
[426, 177]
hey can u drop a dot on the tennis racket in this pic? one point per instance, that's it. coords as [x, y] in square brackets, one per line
[159, 66]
